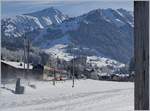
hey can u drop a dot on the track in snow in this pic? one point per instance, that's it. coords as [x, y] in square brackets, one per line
[82, 98]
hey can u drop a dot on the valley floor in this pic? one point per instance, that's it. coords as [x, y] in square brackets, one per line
[87, 95]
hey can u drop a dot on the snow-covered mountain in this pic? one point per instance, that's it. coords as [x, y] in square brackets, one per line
[102, 32]
[20, 24]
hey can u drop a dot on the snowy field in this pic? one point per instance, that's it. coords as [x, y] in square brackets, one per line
[87, 95]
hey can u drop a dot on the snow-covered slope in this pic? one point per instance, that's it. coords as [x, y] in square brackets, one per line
[18, 25]
[103, 32]
[118, 17]
[49, 16]
[87, 95]
[60, 51]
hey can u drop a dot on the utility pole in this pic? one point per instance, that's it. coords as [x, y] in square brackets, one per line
[54, 77]
[28, 50]
[73, 74]
[54, 72]
[24, 58]
[58, 67]
[73, 69]
[26, 55]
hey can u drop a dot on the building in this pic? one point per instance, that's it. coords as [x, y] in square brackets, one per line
[10, 71]
[51, 73]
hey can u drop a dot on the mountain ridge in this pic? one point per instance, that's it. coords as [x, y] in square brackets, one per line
[105, 32]
[18, 25]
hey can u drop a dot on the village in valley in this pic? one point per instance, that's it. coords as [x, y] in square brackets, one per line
[32, 64]
[55, 69]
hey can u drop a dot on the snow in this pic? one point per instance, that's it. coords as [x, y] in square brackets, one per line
[86, 22]
[119, 13]
[119, 23]
[63, 18]
[107, 20]
[57, 19]
[58, 47]
[47, 20]
[110, 17]
[131, 24]
[34, 22]
[63, 40]
[10, 28]
[58, 50]
[21, 24]
[17, 64]
[118, 20]
[38, 23]
[87, 95]
[103, 61]
[18, 25]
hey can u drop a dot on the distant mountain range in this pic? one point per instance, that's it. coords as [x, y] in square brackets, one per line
[101, 32]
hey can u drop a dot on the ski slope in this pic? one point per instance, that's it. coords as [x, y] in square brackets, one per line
[87, 95]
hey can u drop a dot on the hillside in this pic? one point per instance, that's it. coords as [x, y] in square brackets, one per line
[102, 32]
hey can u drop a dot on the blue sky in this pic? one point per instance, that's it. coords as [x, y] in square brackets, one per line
[69, 7]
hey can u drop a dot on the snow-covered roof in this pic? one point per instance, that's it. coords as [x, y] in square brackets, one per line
[103, 74]
[122, 75]
[17, 64]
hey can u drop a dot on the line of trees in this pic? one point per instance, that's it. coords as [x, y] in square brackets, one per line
[36, 56]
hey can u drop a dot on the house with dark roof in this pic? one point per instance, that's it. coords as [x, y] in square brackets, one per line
[11, 70]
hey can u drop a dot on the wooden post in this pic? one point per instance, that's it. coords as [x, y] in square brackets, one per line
[141, 53]
[73, 66]
[24, 58]
[54, 74]
[28, 51]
